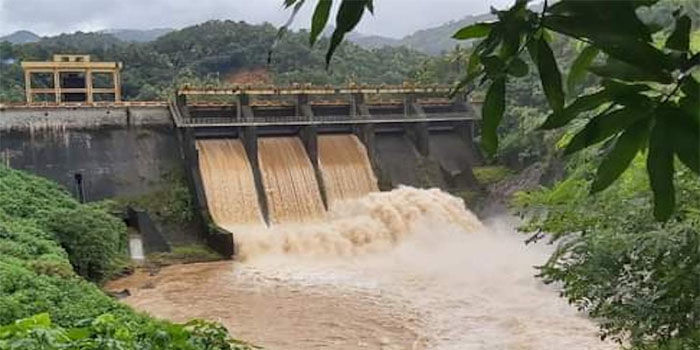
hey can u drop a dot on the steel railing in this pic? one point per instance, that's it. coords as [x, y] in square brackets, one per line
[203, 121]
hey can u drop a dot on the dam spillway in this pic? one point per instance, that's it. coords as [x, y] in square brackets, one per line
[290, 185]
[345, 168]
[228, 182]
[313, 148]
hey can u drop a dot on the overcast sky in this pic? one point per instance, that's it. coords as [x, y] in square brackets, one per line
[394, 18]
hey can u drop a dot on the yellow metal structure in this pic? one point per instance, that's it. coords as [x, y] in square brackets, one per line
[77, 65]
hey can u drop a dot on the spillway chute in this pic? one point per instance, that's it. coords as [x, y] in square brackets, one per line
[229, 185]
[345, 168]
[289, 181]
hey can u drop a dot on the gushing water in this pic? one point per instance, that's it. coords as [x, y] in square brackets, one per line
[345, 168]
[290, 182]
[406, 269]
[376, 222]
[228, 183]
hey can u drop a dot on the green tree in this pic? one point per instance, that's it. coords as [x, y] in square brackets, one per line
[647, 98]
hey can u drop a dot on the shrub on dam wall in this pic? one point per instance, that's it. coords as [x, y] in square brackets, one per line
[45, 304]
[170, 205]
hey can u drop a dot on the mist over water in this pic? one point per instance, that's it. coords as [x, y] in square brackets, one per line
[415, 270]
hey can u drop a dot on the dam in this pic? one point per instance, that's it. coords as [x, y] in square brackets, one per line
[252, 157]
[301, 151]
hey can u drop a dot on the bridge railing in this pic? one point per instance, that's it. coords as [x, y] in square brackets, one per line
[325, 119]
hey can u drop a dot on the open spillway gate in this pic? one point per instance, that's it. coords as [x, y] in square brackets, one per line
[271, 155]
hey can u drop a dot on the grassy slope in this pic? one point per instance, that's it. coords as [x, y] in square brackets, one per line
[36, 276]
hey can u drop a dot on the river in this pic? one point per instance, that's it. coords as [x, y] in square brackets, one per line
[440, 285]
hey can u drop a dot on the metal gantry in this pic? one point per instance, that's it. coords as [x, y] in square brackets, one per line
[72, 79]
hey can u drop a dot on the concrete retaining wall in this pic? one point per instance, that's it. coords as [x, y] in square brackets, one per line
[118, 151]
[82, 117]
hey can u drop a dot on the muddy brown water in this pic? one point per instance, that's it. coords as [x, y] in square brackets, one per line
[406, 269]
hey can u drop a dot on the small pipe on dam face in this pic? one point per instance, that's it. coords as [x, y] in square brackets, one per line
[80, 191]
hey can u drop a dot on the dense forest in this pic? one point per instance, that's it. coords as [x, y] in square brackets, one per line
[215, 52]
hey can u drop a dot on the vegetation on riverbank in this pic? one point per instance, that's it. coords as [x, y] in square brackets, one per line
[640, 278]
[185, 254]
[52, 249]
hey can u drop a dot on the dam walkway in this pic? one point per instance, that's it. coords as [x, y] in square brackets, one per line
[313, 106]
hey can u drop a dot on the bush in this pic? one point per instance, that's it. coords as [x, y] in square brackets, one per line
[487, 175]
[639, 278]
[46, 305]
[93, 239]
[108, 332]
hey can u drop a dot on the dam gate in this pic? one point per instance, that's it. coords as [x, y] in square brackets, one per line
[386, 137]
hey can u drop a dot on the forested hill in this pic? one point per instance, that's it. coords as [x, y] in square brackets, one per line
[214, 52]
[439, 39]
[20, 37]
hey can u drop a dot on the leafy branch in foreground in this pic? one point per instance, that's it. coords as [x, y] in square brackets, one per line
[349, 15]
[648, 97]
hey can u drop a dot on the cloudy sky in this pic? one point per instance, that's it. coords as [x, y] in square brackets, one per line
[394, 18]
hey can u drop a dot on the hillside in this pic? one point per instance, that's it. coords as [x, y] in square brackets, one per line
[20, 37]
[211, 53]
[436, 40]
[137, 35]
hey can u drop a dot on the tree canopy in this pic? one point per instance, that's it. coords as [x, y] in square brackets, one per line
[648, 96]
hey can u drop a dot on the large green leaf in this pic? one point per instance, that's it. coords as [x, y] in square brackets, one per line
[550, 76]
[581, 104]
[349, 14]
[579, 67]
[690, 102]
[474, 62]
[492, 113]
[616, 69]
[625, 47]
[686, 137]
[637, 53]
[615, 88]
[618, 159]
[602, 127]
[680, 38]
[319, 19]
[476, 30]
[517, 67]
[488, 45]
[601, 18]
[494, 66]
[660, 167]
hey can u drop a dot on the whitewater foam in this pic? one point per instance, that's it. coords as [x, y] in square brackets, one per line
[375, 222]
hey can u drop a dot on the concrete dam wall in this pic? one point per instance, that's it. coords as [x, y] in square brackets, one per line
[250, 169]
[117, 151]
